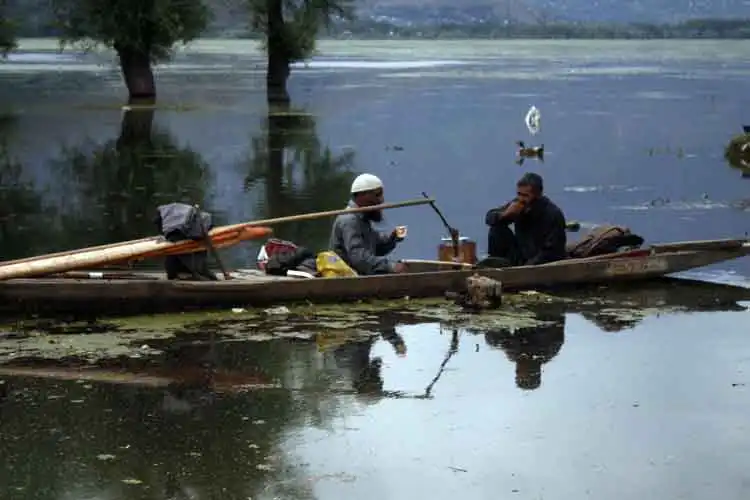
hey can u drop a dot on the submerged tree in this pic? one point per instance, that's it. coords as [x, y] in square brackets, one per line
[289, 28]
[117, 186]
[300, 174]
[142, 32]
[7, 35]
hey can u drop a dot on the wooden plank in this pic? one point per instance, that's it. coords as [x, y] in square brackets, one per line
[144, 249]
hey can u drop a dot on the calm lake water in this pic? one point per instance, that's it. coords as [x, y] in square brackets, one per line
[651, 406]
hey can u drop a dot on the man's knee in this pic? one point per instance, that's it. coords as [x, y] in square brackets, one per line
[500, 241]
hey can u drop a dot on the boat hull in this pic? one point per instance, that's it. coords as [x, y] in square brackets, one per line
[127, 296]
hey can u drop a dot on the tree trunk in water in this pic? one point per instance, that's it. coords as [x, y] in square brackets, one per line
[137, 72]
[276, 144]
[136, 127]
[277, 72]
[133, 173]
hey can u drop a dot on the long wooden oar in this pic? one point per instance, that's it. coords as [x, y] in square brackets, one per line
[266, 222]
[320, 215]
[157, 246]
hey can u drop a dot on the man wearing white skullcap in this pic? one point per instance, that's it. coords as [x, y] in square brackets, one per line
[354, 239]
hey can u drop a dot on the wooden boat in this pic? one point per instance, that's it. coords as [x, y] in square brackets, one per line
[100, 293]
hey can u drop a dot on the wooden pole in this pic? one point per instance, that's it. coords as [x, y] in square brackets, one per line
[267, 222]
[320, 215]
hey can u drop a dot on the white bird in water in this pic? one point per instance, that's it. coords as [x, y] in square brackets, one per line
[533, 120]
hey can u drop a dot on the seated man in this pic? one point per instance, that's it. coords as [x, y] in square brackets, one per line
[353, 238]
[539, 228]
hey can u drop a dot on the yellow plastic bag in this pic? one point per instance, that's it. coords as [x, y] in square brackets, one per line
[330, 265]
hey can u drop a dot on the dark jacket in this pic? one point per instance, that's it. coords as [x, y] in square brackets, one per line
[360, 245]
[540, 231]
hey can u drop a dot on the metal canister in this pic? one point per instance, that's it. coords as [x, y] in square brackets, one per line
[467, 250]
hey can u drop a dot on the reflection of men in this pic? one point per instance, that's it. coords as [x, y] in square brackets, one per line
[530, 348]
[364, 372]
[539, 227]
[354, 239]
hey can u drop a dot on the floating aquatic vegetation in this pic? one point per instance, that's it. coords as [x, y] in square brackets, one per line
[327, 325]
[506, 317]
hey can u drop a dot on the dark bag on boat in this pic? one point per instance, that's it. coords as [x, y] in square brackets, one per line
[179, 222]
[286, 260]
[603, 240]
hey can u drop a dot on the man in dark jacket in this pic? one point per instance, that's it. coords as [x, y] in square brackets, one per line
[539, 228]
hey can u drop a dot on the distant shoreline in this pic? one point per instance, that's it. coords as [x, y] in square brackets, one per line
[363, 29]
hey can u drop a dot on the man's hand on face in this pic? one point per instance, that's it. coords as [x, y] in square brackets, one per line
[515, 208]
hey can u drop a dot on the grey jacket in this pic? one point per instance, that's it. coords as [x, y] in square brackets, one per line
[361, 246]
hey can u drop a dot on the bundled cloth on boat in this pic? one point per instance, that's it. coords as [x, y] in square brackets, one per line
[602, 240]
[179, 222]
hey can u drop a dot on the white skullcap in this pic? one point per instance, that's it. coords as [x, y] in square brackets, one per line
[366, 182]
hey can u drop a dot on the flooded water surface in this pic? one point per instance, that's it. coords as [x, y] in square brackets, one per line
[620, 394]
[549, 397]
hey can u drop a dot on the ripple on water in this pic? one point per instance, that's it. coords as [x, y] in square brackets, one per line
[609, 188]
[675, 205]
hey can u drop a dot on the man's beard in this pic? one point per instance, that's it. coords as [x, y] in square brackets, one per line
[375, 215]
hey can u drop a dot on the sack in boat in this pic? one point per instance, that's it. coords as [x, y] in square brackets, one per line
[272, 247]
[283, 260]
[179, 221]
[603, 240]
[330, 265]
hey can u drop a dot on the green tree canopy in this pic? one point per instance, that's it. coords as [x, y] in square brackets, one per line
[289, 29]
[141, 31]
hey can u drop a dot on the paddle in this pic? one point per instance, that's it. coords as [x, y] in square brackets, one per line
[210, 245]
[453, 232]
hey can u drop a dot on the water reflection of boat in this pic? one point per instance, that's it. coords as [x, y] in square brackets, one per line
[149, 293]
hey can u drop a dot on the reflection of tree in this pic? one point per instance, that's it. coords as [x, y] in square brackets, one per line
[25, 226]
[737, 154]
[117, 187]
[228, 449]
[300, 175]
[530, 348]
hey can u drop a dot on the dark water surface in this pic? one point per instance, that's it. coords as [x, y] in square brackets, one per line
[642, 398]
